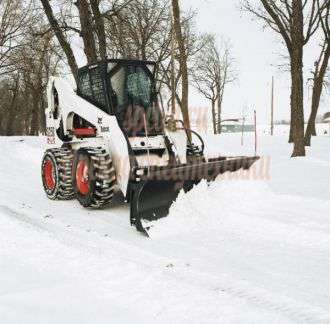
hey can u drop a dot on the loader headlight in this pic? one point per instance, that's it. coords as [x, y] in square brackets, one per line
[139, 172]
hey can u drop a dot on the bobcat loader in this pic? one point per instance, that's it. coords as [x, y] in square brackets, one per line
[114, 137]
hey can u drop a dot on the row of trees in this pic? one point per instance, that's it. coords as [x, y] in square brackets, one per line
[27, 59]
[36, 40]
[37, 37]
[297, 21]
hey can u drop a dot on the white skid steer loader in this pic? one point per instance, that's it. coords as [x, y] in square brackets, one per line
[115, 137]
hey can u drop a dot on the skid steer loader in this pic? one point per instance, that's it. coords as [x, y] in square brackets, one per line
[114, 137]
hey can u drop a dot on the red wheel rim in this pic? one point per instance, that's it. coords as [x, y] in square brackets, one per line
[49, 174]
[82, 178]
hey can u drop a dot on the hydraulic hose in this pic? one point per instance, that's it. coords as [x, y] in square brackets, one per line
[192, 131]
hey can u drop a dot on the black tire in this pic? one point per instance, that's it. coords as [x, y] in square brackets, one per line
[96, 189]
[56, 174]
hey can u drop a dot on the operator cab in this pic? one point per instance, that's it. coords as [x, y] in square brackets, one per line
[126, 89]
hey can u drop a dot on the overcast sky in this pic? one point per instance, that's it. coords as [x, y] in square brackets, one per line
[257, 53]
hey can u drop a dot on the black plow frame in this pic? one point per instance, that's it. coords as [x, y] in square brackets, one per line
[153, 190]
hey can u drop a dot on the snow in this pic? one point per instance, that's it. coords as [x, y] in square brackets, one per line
[237, 251]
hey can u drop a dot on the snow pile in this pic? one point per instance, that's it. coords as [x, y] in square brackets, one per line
[203, 208]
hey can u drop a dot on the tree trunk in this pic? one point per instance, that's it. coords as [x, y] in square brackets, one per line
[297, 121]
[12, 110]
[99, 24]
[214, 119]
[42, 121]
[25, 122]
[35, 116]
[291, 118]
[297, 88]
[219, 108]
[178, 100]
[61, 38]
[162, 103]
[317, 92]
[219, 117]
[10, 120]
[311, 129]
[1, 129]
[183, 63]
[87, 35]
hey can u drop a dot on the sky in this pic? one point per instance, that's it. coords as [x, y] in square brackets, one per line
[257, 52]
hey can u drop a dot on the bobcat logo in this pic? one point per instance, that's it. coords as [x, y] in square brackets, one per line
[105, 129]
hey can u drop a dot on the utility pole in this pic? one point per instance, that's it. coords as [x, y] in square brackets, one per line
[255, 133]
[272, 109]
[243, 129]
[173, 47]
[243, 123]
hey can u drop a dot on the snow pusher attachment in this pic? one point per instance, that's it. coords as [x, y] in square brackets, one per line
[154, 190]
[115, 137]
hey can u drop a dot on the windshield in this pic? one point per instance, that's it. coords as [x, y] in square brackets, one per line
[133, 100]
[139, 86]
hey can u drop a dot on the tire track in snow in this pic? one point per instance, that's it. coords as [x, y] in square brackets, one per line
[243, 290]
[91, 241]
[22, 217]
[297, 311]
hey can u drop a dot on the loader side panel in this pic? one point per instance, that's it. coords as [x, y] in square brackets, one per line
[108, 133]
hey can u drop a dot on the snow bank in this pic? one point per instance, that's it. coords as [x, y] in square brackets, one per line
[206, 205]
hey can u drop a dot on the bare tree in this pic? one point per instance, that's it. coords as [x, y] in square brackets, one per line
[36, 64]
[193, 44]
[14, 18]
[87, 30]
[296, 21]
[177, 24]
[12, 106]
[61, 37]
[22, 112]
[227, 75]
[99, 28]
[87, 21]
[142, 30]
[211, 73]
[319, 74]
[7, 102]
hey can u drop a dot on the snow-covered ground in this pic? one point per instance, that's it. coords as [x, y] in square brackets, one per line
[238, 251]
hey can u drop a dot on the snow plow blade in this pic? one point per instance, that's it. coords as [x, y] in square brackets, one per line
[153, 190]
